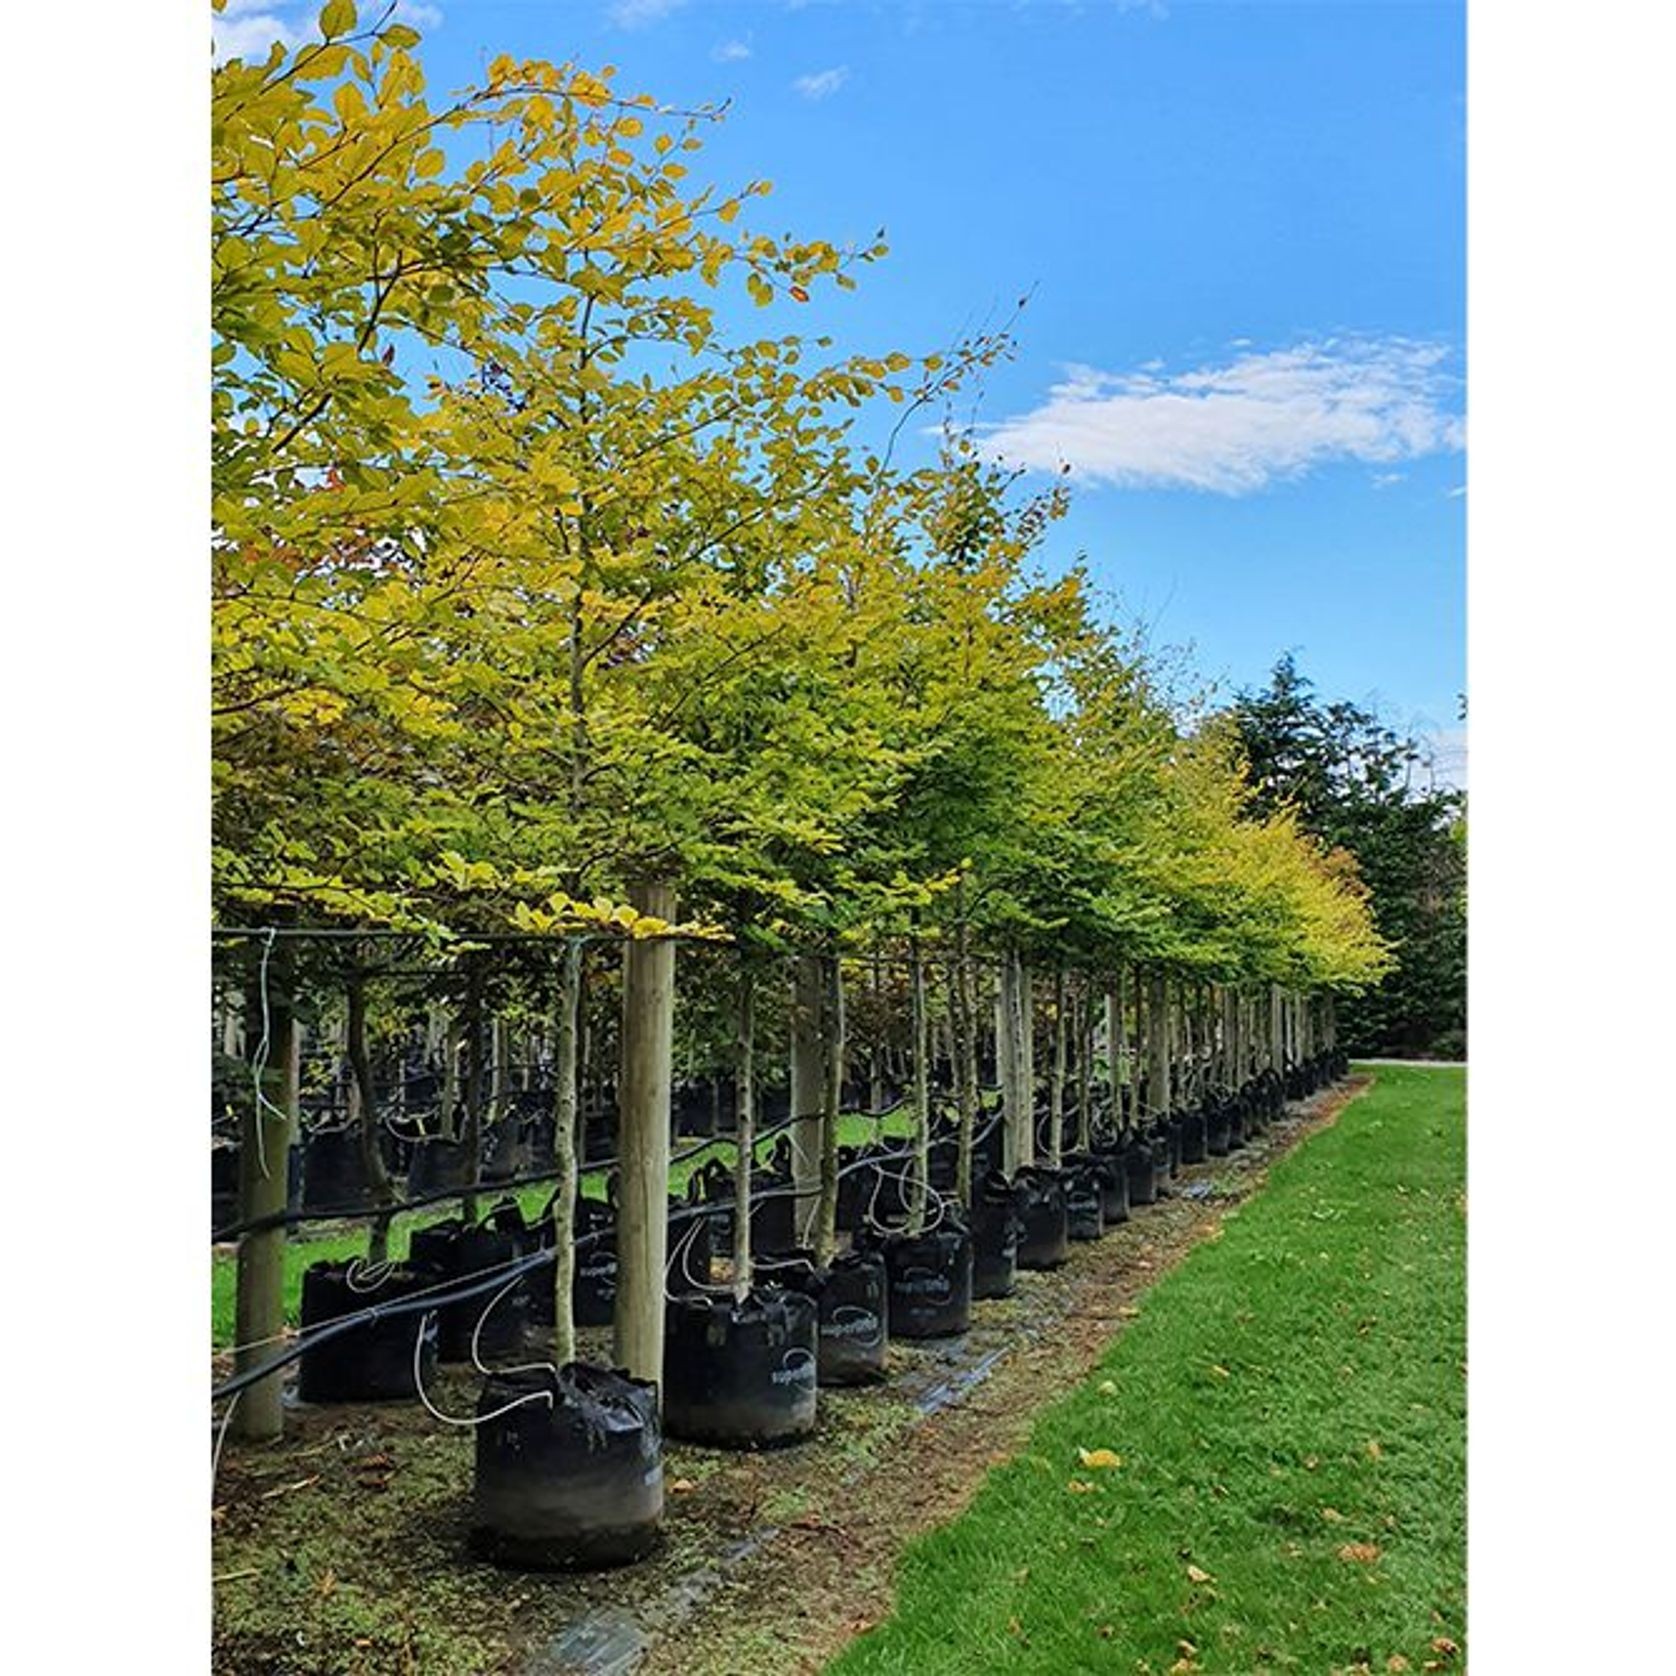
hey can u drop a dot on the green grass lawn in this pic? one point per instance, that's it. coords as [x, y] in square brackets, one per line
[854, 1129]
[1289, 1413]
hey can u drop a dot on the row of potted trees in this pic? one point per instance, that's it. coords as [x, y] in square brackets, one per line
[569, 1458]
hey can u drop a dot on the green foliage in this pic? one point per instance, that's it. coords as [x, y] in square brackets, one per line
[1357, 785]
[530, 582]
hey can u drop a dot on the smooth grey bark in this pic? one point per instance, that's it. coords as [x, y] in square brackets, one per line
[833, 1040]
[744, 1072]
[267, 1126]
[367, 1124]
[643, 1138]
[806, 1090]
[565, 1145]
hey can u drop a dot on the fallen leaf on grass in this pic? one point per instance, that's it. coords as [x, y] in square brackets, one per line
[1195, 1575]
[1359, 1553]
[1220, 1371]
[1374, 1451]
[327, 1585]
[1332, 1515]
[1186, 1648]
[1107, 1388]
[1099, 1458]
[1079, 1487]
[1183, 1667]
[1397, 1663]
[1128, 1311]
[1014, 1627]
[1442, 1644]
[680, 1486]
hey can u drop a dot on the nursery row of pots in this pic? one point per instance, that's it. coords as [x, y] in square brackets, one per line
[569, 1460]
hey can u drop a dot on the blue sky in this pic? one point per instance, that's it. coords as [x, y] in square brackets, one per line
[1242, 229]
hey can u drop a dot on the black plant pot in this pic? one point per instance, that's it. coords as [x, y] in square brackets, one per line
[333, 1176]
[1085, 1199]
[1044, 1232]
[1193, 1133]
[740, 1375]
[372, 1362]
[851, 1309]
[1161, 1162]
[455, 1253]
[1237, 1136]
[1173, 1135]
[930, 1282]
[1141, 1167]
[1219, 1128]
[437, 1164]
[995, 1227]
[1114, 1186]
[593, 1290]
[224, 1186]
[571, 1478]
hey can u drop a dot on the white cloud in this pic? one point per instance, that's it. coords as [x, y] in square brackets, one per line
[1235, 428]
[635, 14]
[249, 28]
[1384, 479]
[822, 84]
[731, 52]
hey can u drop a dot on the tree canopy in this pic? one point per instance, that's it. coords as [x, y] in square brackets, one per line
[530, 580]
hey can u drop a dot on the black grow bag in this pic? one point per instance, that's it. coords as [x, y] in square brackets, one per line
[1161, 1161]
[1114, 1186]
[1194, 1131]
[851, 1311]
[1085, 1211]
[453, 1252]
[571, 1478]
[1141, 1167]
[995, 1227]
[740, 1375]
[1237, 1129]
[333, 1175]
[372, 1362]
[1044, 1233]
[930, 1279]
[593, 1288]
[1219, 1130]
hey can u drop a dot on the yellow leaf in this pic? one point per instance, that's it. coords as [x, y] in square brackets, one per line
[1107, 1388]
[1195, 1575]
[1359, 1553]
[337, 18]
[1099, 1458]
[1079, 1487]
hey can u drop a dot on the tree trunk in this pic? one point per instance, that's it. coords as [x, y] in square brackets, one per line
[264, 1176]
[1085, 1014]
[643, 1139]
[1019, 1135]
[832, 1100]
[1158, 1022]
[920, 1070]
[807, 1082]
[965, 1052]
[565, 1144]
[472, 1139]
[744, 1072]
[1056, 1077]
[372, 1152]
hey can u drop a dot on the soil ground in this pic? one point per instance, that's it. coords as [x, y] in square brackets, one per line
[341, 1550]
